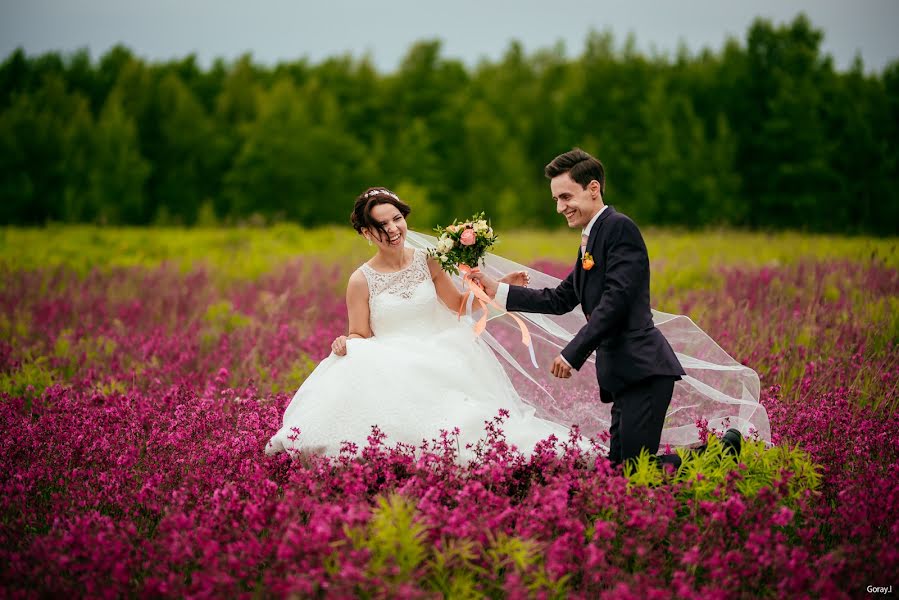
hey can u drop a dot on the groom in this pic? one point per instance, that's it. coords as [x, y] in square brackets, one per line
[635, 365]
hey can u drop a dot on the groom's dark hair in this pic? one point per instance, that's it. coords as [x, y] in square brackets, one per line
[580, 166]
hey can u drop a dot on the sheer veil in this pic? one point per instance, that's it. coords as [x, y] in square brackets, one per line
[716, 388]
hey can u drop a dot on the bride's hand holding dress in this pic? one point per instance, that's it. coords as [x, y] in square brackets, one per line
[338, 346]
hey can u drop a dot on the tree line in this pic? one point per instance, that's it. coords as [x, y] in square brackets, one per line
[764, 133]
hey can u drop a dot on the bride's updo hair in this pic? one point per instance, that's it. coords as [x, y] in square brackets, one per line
[367, 200]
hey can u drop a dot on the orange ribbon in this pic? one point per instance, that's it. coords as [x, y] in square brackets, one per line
[476, 292]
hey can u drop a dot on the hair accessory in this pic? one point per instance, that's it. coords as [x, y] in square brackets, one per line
[381, 192]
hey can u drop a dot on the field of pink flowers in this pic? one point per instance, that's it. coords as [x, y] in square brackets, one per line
[135, 403]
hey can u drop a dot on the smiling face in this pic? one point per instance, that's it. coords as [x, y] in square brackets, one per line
[393, 227]
[577, 204]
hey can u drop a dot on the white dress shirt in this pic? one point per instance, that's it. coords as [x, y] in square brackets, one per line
[502, 291]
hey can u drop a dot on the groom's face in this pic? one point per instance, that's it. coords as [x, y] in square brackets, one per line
[576, 204]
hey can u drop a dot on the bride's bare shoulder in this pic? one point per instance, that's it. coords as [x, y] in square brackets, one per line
[357, 284]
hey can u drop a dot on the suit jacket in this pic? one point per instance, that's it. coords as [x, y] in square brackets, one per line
[614, 296]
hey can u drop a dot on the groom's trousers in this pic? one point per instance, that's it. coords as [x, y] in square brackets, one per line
[638, 414]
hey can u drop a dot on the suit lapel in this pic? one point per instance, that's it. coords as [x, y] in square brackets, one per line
[591, 240]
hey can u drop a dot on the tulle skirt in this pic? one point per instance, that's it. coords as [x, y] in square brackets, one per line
[411, 387]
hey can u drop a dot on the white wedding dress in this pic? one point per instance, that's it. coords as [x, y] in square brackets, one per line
[422, 371]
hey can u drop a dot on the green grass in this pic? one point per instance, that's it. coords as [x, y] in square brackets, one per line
[680, 260]
[243, 253]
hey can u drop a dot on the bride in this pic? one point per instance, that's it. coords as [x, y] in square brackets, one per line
[408, 364]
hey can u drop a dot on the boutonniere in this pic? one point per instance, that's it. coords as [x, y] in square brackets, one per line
[587, 261]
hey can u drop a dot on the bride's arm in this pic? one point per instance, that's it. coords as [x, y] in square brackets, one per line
[446, 289]
[357, 306]
[451, 296]
[357, 311]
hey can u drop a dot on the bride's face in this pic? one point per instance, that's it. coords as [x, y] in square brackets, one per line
[576, 204]
[393, 232]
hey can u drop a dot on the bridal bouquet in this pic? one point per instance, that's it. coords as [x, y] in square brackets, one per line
[461, 247]
[463, 243]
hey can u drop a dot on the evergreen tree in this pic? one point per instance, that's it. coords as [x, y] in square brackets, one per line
[295, 161]
[763, 133]
[185, 176]
[119, 173]
[41, 136]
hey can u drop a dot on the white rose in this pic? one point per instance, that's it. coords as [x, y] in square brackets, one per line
[480, 226]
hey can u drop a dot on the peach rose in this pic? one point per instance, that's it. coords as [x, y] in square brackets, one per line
[452, 228]
[468, 237]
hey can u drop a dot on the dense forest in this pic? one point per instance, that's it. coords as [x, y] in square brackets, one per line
[764, 133]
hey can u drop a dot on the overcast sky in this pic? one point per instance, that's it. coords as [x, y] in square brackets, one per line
[279, 30]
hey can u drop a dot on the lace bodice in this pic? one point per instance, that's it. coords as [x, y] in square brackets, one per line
[400, 283]
[404, 301]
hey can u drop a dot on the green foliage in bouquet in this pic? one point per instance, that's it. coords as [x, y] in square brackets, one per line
[463, 243]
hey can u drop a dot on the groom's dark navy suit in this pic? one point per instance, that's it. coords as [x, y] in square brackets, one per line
[635, 366]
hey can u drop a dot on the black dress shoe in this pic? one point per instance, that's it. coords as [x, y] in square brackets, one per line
[732, 442]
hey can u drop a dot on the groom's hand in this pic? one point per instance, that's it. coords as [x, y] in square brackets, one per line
[519, 278]
[560, 368]
[488, 284]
